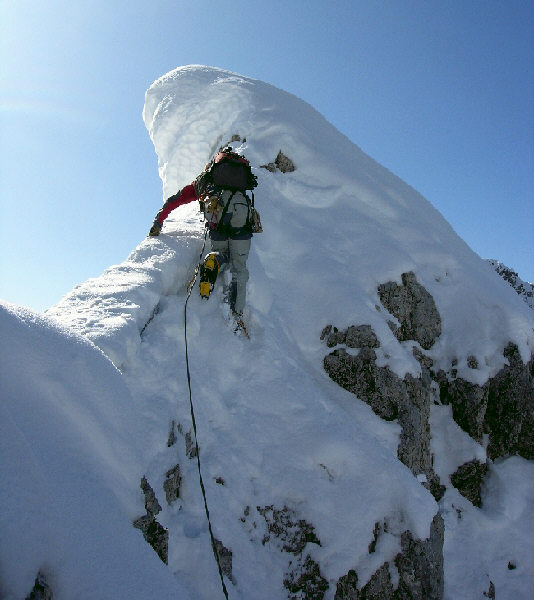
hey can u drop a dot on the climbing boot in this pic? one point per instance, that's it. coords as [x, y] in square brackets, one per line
[208, 274]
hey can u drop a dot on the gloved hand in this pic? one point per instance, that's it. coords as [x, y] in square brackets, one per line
[155, 229]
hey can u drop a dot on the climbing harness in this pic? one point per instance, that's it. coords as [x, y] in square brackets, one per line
[190, 286]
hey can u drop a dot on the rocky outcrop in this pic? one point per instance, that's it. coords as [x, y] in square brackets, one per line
[502, 408]
[287, 529]
[172, 483]
[304, 580]
[224, 558]
[291, 534]
[419, 565]
[414, 308]
[281, 163]
[41, 590]
[361, 336]
[156, 535]
[524, 289]
[509, 418]
[390, 397]
[468, 480]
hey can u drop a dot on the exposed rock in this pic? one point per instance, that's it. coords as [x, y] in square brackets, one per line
[156, 535]
[190, 446]
[420, 565]
[377, 386]
[151, 502]
[284, 525]
[304, 581]
[347, 587]
[420, 568]
[472, 362]
[469, 402]
[281, 163]
[468, 480]
[171, 439]
[379, 586]
[414, 308]
[361, 336]
[225, 560]
[523, 288]
[41, 590]
[509, 418]
[303, 578]
[425, 361]
[491, 591]
[391, 397]
[503, 407]
[379, 527]
[171, 485]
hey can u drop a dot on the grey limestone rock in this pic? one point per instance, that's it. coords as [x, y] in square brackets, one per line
[503, 407]
[304, 580]
[360, 336]
[156, 535]
[41, 590]
[420, 568]
[284, 525]
[391, 397]
[225, 560]
[468, 480]
[420, 565]
[414, 308]
[171, 485]
[281, 163]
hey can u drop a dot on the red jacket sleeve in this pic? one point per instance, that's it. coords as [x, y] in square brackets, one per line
[184, 196]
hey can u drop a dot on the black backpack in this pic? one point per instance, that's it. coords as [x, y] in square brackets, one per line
[230, 171]
[223, 199]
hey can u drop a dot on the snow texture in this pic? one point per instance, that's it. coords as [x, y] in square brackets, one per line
[273, 429]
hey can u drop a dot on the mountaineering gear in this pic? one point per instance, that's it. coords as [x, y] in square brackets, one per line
[240, 327]
[228, 170]
[233, 253]
[155, 229]
[231, 219]
[193, 421]
[208, 274]
[228, 213]
[231, 171]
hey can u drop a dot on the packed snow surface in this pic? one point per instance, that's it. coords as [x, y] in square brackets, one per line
[273, 429]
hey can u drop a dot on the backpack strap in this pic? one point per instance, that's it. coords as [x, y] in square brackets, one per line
[225, 209]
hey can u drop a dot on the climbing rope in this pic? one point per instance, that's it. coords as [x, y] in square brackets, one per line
[190, 287]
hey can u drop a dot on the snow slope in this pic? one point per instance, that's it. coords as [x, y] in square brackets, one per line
[274, 430]
[71, 458]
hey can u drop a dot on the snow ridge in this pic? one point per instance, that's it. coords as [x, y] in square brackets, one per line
[275, 433]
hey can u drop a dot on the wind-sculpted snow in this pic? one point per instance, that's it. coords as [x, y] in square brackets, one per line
[274, 430]
[71, 454]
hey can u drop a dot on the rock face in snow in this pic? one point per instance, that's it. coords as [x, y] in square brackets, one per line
[503, 407]
[323, 459]
[407, 399]
[156, 535]
[414, 308]
[524, 289]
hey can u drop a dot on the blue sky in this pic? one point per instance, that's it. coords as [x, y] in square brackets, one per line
[441, 93]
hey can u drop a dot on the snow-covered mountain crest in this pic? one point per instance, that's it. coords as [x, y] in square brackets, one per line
[375, 433]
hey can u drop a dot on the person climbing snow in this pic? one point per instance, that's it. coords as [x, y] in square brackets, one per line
[231, 220]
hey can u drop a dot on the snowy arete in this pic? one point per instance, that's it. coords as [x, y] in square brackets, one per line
[372, 439]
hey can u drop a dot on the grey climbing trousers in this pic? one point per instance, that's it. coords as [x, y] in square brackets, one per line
[234, 254]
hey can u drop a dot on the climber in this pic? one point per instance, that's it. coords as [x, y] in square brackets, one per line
[231, 220]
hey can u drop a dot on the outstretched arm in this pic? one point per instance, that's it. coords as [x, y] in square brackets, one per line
[184, 196]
